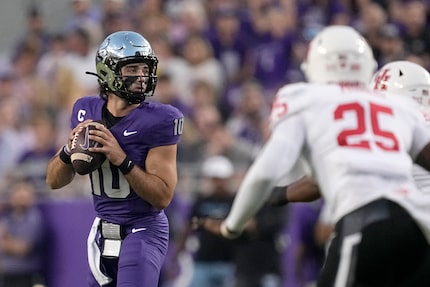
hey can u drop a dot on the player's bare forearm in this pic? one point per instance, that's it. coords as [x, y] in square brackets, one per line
[302, 190]
[423, 158]
[58, 174]
[156, 184]
[150, 187]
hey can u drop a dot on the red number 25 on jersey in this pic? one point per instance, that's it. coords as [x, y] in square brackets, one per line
[390, 142]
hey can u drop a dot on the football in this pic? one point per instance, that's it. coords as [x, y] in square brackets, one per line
[84, 161]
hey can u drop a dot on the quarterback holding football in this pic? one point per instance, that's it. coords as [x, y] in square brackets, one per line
[136, 176]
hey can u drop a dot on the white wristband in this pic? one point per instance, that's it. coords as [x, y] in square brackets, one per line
[228, 233]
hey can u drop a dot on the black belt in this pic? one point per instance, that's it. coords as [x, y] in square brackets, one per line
[372, 212]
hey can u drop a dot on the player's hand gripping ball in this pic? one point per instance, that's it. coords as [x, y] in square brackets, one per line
[84, 161]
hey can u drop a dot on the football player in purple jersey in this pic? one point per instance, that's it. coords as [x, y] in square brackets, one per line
[128, 241]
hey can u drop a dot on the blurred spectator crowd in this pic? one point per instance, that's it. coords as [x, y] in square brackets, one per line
[220, 62]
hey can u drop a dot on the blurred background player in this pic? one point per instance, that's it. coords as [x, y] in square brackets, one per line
[138, 179]
[364, 173]
[259, 249]
[252, 260]
[413, 81]
[213, 255]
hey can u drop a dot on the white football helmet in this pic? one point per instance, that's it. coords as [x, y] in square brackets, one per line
[339, 55]
[404, 78]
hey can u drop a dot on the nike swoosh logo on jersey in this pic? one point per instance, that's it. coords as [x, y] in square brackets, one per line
[134, 230]
[126, 133]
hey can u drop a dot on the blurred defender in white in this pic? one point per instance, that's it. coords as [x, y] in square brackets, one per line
[360, 145]
[412, 81]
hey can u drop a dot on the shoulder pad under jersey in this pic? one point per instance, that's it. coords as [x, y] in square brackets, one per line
[288, 100]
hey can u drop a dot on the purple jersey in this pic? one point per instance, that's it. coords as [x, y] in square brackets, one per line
[150, 125]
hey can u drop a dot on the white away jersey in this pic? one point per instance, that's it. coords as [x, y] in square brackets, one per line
[358, 143]
[422, 176]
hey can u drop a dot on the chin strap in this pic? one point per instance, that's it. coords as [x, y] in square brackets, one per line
[94, 74]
